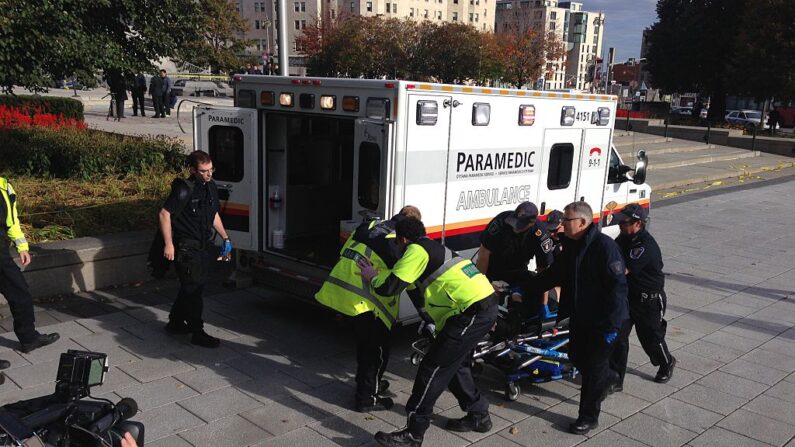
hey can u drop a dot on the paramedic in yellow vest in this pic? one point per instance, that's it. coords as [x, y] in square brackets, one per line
[371, 315]
[12, 284]
[452, 294]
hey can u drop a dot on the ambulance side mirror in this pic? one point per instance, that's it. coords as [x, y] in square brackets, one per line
[639, 176]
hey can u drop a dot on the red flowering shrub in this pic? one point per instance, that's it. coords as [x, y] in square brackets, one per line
[28, 116]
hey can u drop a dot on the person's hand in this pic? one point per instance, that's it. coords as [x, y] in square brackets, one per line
[128, 440]
[24, 257]
[543, 312]
[168, 252]
[426, 329]
[368, 272]
[226, 250]
[610, 337]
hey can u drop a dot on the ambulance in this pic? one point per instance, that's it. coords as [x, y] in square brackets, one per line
[300, 162]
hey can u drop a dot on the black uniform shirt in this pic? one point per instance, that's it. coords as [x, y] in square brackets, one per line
[644, 261]
[192, 212]
[510, 251]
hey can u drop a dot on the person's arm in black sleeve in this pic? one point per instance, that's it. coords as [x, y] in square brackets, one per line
[615, 284]
[543, 250]
[175, 203]
[640, 257]
[415, 295]
[392, 286]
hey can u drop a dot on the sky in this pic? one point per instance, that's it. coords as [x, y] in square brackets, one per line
[625, 21]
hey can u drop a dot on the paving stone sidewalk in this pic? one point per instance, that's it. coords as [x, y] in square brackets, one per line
[284, 373]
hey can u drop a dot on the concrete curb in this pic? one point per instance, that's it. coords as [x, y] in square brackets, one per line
[723, 175]
[88, 263]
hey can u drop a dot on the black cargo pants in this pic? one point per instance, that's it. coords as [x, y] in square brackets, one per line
[448, 365]
[646, 312]
[192, 262]
[372, 355]
[14, 287]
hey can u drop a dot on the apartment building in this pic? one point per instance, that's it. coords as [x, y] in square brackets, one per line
[263, 15]
[580, 31]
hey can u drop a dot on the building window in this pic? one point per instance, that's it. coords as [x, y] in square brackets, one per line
[552, 26]
[303, 6]
[388, 8]
[352, 6]
[333, 14]
[256, 24]
[471, 16]
[411, 12]
[439, 15]
[426, 12]
[297, 24]
[455, 2]
[369, 6]
[297, 6]
[455, 17]
[394, 8]
[303, 24]
[553, 15]
[237, 6]
[256, 6]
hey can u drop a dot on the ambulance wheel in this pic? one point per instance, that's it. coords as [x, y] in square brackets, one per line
[512, 391]
[416, 358]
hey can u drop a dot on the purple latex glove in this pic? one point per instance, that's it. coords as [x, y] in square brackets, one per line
[368, 272]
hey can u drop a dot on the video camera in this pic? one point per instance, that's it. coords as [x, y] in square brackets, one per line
[64, 418]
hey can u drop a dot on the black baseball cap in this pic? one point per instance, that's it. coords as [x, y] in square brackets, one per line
[524, 215]
[633, 211]
[554, 219]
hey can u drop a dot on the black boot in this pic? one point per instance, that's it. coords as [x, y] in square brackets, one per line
[383, 386]
[4, 364]
[377, 404]
[665, 372]
[39, 341]
[402, 438]
[204, 339]
[581, 427]
[177, 328]
[480, 423]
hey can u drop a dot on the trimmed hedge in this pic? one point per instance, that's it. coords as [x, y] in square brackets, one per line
[68, 107]
[85, 154]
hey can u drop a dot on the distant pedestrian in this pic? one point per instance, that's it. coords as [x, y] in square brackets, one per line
[156, 91]
[118, 91]
[773, 119]
[166, 92]
[138, 91]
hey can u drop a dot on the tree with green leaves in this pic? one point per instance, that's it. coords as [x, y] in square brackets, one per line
[720, 47]
[218, 44]
[45, 40]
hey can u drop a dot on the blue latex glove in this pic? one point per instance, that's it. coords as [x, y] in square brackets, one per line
[368, 272]
[226, 250]
[610, 337]
[543, 312]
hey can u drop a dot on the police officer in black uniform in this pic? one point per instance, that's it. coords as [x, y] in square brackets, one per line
[647, 300]
[508, 243]
[186, 221]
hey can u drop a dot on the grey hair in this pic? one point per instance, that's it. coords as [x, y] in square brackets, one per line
[581, 209]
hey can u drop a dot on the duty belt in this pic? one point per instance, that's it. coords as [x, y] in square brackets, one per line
[649, 296]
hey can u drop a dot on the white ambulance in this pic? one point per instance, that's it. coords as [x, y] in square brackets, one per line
[301, 161]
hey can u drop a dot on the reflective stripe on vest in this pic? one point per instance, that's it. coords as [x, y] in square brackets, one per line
[450, 261]
[363, 292]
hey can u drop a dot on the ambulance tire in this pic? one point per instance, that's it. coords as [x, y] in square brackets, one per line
[512, 391]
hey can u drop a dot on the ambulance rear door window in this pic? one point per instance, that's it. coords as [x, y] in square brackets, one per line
[226, 150]
[561, 159]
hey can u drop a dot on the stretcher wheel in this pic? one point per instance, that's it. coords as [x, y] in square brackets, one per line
[477, 369]
[512, 391]
[416, 358]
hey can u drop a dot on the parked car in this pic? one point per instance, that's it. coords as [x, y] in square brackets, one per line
[184, 87]
[687, 111]
[747, 118]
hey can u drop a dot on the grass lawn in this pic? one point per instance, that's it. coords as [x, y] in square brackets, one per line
[59, 209]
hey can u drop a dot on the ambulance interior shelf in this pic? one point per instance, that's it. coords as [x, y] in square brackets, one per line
[310, 162]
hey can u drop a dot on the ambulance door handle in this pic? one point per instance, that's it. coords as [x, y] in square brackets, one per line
[543, 207]
[450, 102]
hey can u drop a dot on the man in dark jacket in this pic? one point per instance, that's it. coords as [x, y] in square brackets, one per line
[118, 89]
[166, 92]
[156, 91]
[138, 92]
[590, 271]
